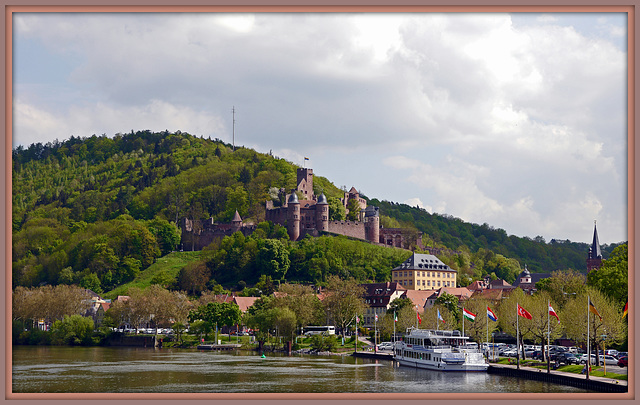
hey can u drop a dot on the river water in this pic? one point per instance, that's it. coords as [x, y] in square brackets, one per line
[52, 369]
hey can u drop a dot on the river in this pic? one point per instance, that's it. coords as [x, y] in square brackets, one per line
[53, 369]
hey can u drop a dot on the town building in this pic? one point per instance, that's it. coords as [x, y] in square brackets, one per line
[527, 280]
[378, 297]
[424, 272]
[461, 293]
[594, 257]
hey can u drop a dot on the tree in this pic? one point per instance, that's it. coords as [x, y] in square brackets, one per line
[508, 317]
[273, 259]
[337, 211]
[73, 330]
[353, 208]
[612, 278]
[541, 321]
[611, 328]
[304, 303]
[344, 300]
[562, 285]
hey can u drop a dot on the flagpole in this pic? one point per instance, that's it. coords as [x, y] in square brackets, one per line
[517, 337]
[394, 330]
[487, 332]
[375, 333]
[463, 321]
[588, 347]
[548, 321]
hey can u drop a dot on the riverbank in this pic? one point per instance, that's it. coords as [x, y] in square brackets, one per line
[594, 383]
[599, 384]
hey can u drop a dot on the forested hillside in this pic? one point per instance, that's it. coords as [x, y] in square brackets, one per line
[96, 211]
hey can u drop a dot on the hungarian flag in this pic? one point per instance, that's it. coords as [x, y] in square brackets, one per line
[491, 315]
[469, 315]
[395, 317]
[376, 317]
[626, 309]
[440, 317]
[593, 309]
[523, 312]
[553, 313]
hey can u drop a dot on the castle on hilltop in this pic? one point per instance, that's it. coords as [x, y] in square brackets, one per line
[308, 215]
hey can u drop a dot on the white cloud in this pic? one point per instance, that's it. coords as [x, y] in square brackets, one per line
[494, 118]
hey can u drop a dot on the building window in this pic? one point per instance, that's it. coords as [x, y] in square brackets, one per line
[429, 283]
[438, 284]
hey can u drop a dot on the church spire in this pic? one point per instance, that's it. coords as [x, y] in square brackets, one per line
[594, 252]
[594, 257]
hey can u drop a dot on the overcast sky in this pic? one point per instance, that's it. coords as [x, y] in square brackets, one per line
[516, 120]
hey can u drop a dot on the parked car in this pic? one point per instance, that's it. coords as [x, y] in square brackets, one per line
[608, 360]
[623, 361]
[583, 359]
[385, 346]
[566, 358]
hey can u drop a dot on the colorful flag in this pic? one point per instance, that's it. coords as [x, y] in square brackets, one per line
[419, 319]
[491, 315]
[395, 317]
[376, 317]
[593, 309]
[626, 309]
[440, 317]
[523, 312]
[468, 314]
[553, 313]
[357, 319]
[306, 158]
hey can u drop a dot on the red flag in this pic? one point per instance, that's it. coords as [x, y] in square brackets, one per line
[419, 319]
[523, 312]
[553, 313]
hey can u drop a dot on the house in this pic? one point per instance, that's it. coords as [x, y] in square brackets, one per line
[424, 272]
[461, 293]
[527, 280]
[378, 297]
[98, 317]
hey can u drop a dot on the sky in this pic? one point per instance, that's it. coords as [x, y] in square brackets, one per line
[516, 120]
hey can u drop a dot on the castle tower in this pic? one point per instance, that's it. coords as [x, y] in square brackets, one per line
[293, 216]
[372, 224]
[322, 214]
[236, 222]
[594, 257]
[305, 182]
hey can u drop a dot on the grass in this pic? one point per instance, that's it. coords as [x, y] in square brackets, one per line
[166, 267]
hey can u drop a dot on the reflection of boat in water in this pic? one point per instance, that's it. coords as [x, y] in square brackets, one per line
[443, 350]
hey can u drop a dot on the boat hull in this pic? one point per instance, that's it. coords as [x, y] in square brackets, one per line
[441, 366]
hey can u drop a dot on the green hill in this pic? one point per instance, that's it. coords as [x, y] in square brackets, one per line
[99, 211]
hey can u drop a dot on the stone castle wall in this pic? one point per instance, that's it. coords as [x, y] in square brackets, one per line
[348, 228]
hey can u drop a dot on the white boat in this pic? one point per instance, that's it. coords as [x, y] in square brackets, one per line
[442, 350]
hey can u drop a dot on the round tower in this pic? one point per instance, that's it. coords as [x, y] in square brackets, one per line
[322, 214]
[372, 224]
[293, 216]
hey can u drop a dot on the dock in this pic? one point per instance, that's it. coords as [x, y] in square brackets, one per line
[219, 347]
[598, 384]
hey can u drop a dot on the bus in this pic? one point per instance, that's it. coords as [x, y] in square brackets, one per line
[319, 330]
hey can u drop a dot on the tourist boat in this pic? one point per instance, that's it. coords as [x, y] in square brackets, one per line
[443, 350]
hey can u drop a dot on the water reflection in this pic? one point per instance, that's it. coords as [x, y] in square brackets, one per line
[104, 369]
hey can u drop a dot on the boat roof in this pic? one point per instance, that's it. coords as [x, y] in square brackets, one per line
[435, 333]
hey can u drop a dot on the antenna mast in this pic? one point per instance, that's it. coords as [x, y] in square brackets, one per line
[233, 110]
